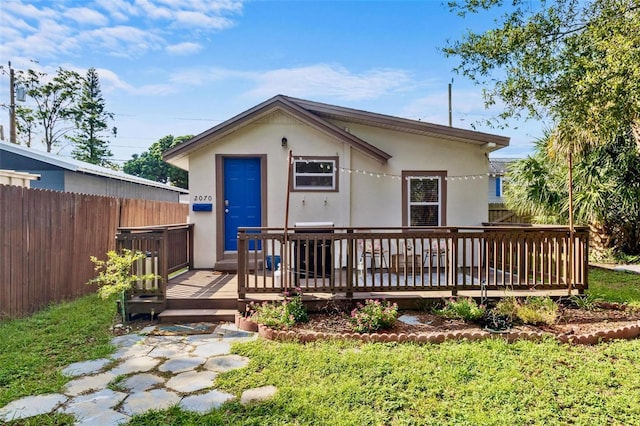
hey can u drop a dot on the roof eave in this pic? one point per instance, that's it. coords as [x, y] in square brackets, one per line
[277, 102]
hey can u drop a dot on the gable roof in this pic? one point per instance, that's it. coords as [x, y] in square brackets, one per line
[74, 165]
[500, 166]
[317, 115]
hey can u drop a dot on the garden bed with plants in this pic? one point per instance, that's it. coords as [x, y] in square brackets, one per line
[580, 319]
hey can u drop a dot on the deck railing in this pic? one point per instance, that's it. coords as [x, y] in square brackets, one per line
[168, 248]
[348, 260]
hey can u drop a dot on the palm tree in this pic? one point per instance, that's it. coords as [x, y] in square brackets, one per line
[606, 191]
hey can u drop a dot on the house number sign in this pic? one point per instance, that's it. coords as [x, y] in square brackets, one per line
[202, 203]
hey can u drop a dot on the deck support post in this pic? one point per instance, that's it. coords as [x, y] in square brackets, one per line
[350, 254]
[242, 261]
[453, 262]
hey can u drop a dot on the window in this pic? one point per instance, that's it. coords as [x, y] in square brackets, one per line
[315, 174]
[498, 186]
[423, 198]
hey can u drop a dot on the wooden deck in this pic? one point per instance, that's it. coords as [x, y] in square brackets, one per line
[200, 289]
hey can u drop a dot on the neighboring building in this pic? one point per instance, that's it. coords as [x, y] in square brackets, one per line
[11, 177]
[497, 170]
[350, 168]
[68, 175]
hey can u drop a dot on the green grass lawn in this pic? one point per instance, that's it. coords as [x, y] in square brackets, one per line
[352, 383]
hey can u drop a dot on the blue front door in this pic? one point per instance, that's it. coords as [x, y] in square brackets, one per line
[242, 197]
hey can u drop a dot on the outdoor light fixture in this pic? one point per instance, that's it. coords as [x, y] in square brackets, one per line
[284, 142]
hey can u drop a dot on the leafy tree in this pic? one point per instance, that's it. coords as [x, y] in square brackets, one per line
[91, 120]
[150, 165]
[574, 61]
[606, 190]
[25, 124]
[55, 102]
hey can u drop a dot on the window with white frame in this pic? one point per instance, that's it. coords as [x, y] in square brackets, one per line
[315, 174]
[423, 196]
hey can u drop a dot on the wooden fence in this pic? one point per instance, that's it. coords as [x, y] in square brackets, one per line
[499, 213]
[47, 238]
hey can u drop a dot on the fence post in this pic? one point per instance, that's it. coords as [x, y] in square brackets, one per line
[242, 252]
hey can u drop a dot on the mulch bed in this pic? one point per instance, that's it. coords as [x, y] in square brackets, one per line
[578, 326]
[570, 321]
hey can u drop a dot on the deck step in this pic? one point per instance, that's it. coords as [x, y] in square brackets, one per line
[196, 315]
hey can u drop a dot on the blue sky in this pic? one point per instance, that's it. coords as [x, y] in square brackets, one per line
[182, 66]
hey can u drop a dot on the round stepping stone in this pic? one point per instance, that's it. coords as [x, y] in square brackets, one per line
[88, 383]
[191, 381]
[90, 406]
[181, 364]
[206, 402]
[226, 363]
[85, 367]
[31, 406]
[157, 399]
[258, 394]
[212, 349]
[141, 382]
[135, 365]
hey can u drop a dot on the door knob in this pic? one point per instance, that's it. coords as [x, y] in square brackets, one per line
[226, 210]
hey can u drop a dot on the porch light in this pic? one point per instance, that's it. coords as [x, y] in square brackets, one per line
[284, 142]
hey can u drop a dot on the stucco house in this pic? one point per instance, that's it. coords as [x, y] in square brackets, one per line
[59, 173]
[351, 168]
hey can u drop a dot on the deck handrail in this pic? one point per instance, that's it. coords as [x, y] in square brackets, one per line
[414, 258]
[170, 248]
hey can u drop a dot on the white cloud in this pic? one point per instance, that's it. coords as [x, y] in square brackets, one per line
[86, 16]
[49, 39]
[28, 11]
[119, 10]
[332, 81]
[123, 40]
[202, 76]
[202, 20]
[150, 24]
[186, 48]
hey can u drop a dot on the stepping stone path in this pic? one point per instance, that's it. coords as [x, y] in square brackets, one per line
[148, 373]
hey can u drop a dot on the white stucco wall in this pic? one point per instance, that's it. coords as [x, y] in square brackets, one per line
[378, 201]
[362, 200]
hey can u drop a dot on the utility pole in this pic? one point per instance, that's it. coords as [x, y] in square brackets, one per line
[12, 105]
[450, 109]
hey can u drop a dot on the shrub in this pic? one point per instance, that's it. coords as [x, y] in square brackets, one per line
[507, 306]
[279, 314]
[464, 308]
[373, 315]
[588, 302]
[538, 310]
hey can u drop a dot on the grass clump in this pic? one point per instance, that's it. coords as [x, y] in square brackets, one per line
[464, 308]
[538, 310]
[34, 349]
[374, 315]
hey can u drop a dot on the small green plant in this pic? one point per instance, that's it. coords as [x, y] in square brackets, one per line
[374, 315]
[538, 310]
[280, 314]
[507, 306]
[115, 275]
[464, 308]
[588, 302]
